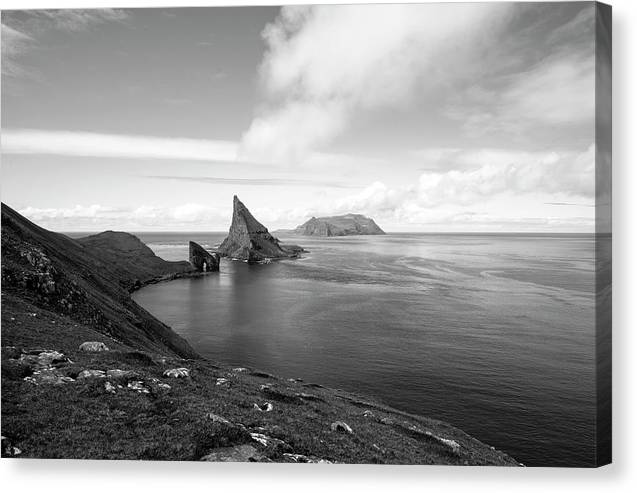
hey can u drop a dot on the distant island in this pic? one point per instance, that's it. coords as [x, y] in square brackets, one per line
[344, 225]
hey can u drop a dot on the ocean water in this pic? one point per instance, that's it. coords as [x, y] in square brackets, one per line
[492, 333]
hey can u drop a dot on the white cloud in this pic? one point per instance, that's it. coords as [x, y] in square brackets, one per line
[325, 62]
[69, 143]
[489, 189]
[144, 217]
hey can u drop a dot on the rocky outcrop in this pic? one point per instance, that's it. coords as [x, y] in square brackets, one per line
[346, 225]
[251, 241]
[201, 259]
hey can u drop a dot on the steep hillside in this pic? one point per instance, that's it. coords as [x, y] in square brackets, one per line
[89, 280]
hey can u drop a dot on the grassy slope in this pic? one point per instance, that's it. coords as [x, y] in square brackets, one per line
[90, 282]
[81, 419]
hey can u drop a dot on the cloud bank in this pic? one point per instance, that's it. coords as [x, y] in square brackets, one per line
[88, 144]
[323, 63]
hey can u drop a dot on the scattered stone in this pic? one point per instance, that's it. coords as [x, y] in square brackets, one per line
[240, 370]
[368, 414]
[259, 437]
[387, 421]
[238, 453]
[121, 374]
[341, 427]
[295, 380]
[266, 407]
[110, 388]
[177, 373]
[218, 419]
[91, 374]
[304, 459]
[267, 441]
[93, 347]
[452, 444]
[221, 381]
[48, 376]
[8, 447]
[299, 458]
[308, 397]
[43, 359]
[138, 386]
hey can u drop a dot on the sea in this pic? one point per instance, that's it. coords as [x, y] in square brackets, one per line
[493, 333]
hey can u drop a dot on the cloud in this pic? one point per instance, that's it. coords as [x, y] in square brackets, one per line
[70, 143]
[558, 92]
[143, 217]
[483, 177]
[502, 171]
[267, 182]
[323, 63]
[537, 77]
[23, 30]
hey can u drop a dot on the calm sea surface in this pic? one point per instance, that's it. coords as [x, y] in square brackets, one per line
[492, 333]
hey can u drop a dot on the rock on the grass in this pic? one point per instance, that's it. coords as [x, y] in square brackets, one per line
[110, 388]
[93, 347]
[238, 453]
[138, 386]
[8, 447]
[215, 418]
[300, 458]
[266, 407]
[177, 373]
[121, 374]
[49, 377]
[91, 374]
[40, 359]
[341, 427]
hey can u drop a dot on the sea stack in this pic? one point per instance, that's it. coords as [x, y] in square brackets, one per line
[345, 225]
[201, 259]
[251, 241]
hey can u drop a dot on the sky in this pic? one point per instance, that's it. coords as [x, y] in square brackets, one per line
[433, 117]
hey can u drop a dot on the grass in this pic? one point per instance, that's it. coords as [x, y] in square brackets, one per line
[82, 420]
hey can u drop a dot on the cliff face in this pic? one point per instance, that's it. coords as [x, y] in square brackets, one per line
[346, 225]
[250, 240]
[89, 280]
[201, 259]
